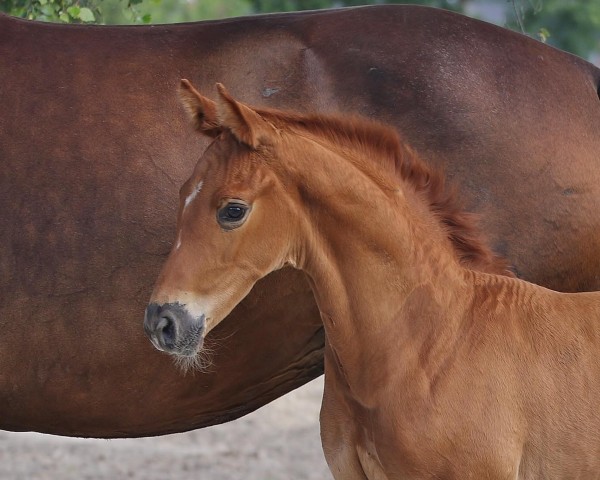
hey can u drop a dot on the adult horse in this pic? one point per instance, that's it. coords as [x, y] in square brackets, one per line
[94, 146]
[407, 326]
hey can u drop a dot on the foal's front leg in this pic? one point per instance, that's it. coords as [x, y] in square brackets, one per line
[339, 434]
[338, 439]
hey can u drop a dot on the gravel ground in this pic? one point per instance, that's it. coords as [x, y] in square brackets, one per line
[278, 442]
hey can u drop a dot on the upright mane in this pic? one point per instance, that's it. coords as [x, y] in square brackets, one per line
[385, 144]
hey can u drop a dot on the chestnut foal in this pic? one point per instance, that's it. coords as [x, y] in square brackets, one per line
[432, 370]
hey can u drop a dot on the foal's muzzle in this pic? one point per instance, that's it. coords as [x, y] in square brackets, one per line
[172, 329]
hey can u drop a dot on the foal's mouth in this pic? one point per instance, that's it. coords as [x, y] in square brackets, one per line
[190, 342]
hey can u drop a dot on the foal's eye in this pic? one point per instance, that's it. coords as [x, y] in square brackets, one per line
[232, 214]
[235, 212]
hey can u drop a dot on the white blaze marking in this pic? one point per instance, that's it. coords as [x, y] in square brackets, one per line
[189, 200]
[192, 195]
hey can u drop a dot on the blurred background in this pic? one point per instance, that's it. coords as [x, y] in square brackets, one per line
[571, 25]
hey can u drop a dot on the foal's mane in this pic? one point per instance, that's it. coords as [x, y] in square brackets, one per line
[384, 143]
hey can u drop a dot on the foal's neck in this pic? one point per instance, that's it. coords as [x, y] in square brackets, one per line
[383, 271]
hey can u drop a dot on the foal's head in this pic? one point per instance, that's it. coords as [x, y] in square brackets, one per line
[241, 212]
[234, 224]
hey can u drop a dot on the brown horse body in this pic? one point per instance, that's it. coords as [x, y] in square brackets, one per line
[89, 172]
[432, 370]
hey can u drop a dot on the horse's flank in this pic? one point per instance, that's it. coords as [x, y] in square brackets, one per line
[92, 158]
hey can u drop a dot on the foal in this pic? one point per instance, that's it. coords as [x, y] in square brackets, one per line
[432, 370]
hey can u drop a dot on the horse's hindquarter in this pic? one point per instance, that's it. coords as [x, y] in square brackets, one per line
[534, 181]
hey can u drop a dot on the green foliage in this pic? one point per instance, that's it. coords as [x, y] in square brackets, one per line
[175, 11]
[266, 6]
[67, 11]
[571, 25]
[77, 11]
[261, 6]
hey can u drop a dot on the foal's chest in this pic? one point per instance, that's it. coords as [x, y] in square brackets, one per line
[369, 462]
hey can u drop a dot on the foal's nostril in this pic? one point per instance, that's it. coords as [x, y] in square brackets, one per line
[172, 329]
[160, 324]
[165, 331]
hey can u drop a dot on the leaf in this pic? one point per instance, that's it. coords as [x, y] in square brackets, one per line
[86, 15]
[543, 34]
[64, 17]
[147, 18]
[43, 2]
[47, 10]
[74, 11]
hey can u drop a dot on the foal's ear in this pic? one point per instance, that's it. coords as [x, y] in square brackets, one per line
[201, 110]
[245, 124]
